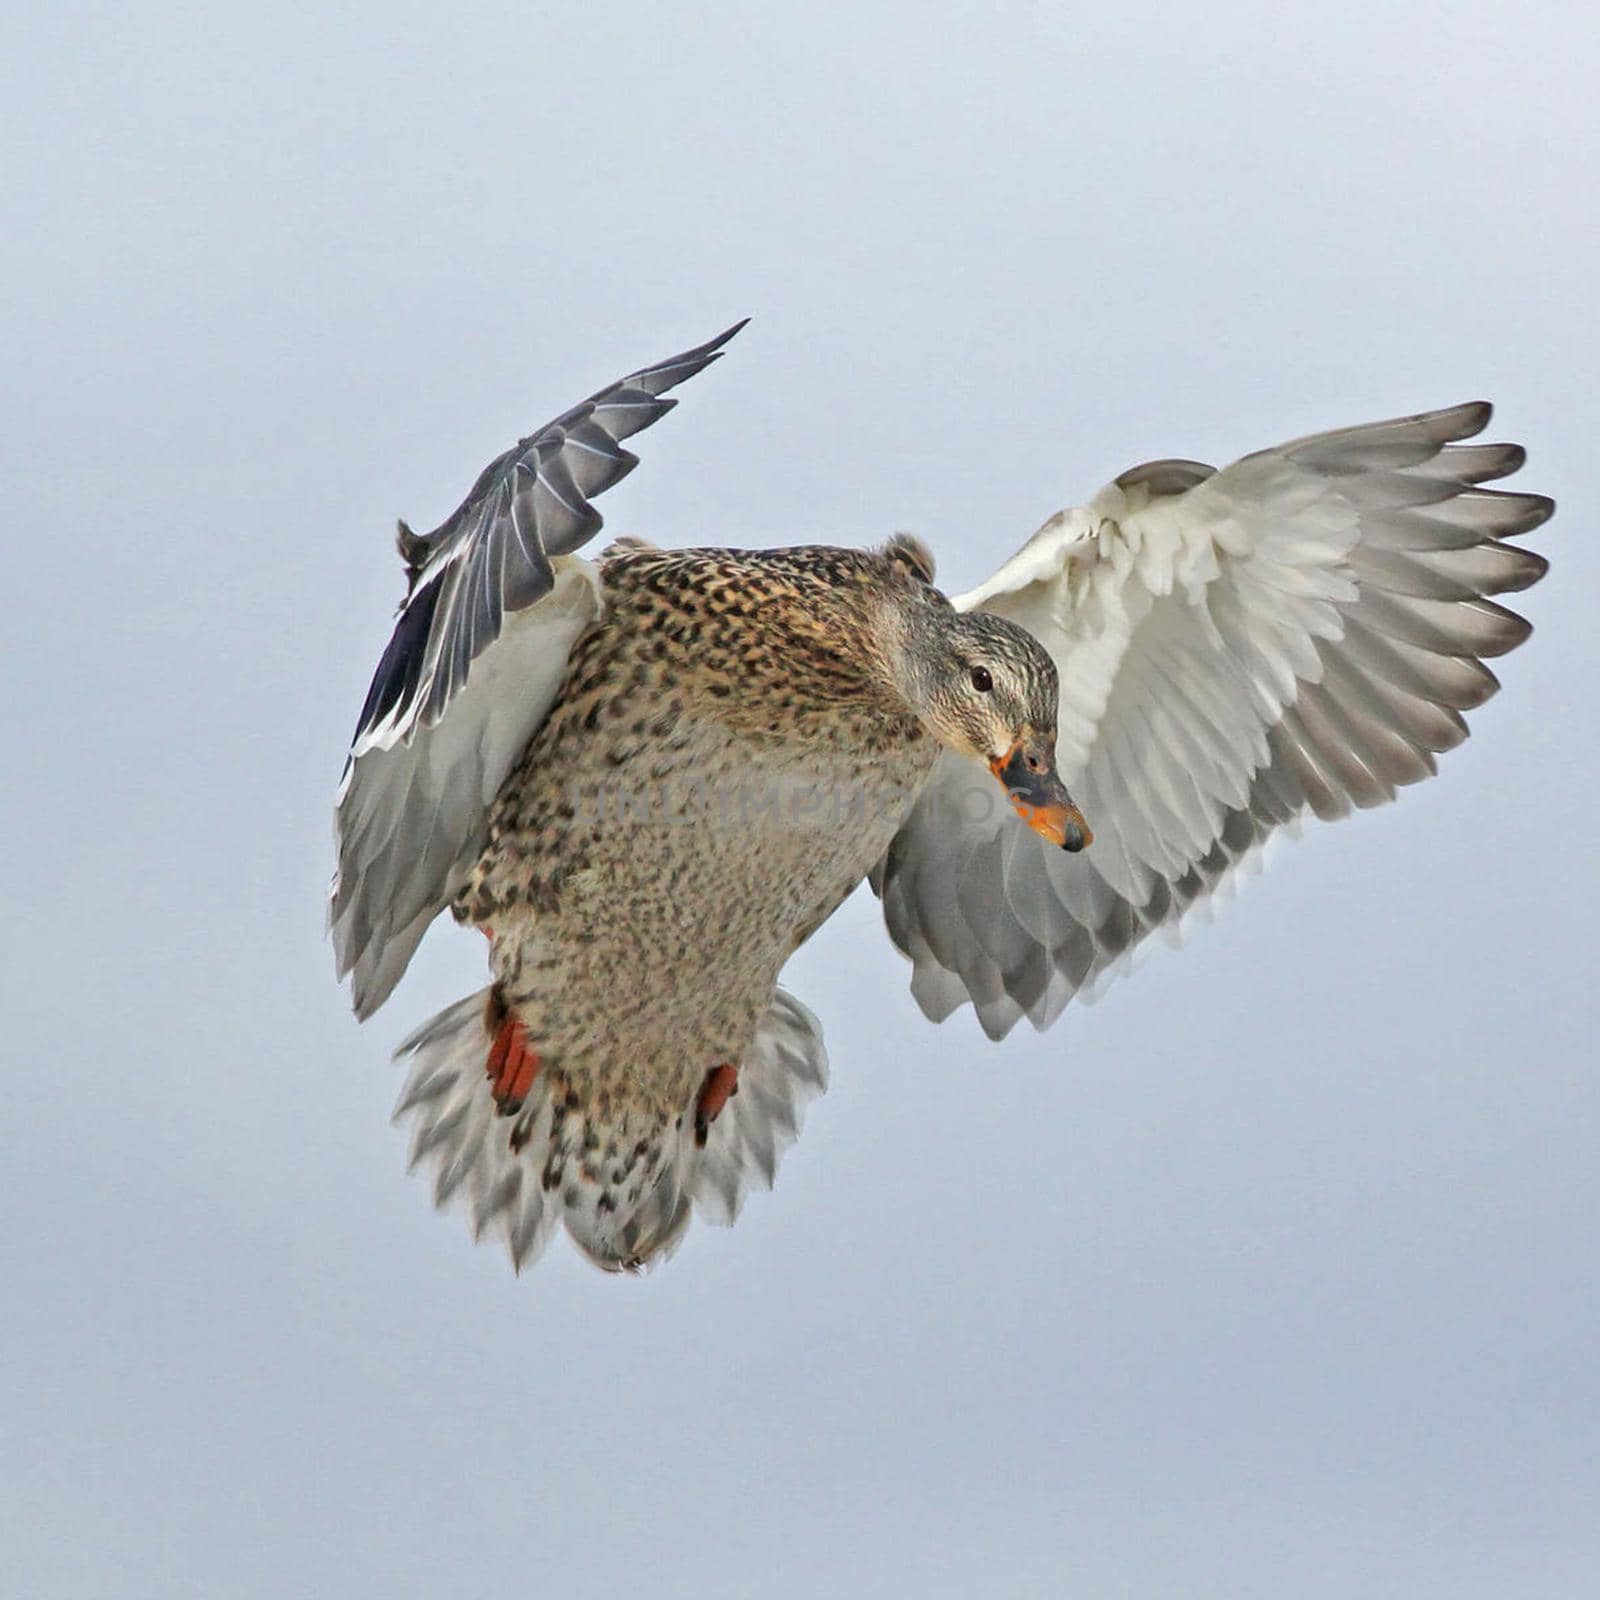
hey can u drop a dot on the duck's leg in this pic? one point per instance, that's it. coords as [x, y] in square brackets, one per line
[513, 1063]
[721, 1084]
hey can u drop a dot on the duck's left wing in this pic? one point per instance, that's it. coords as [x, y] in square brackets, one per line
[1297, 633]
[495, 599]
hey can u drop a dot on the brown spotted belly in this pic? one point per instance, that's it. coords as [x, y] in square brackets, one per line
[660, 954]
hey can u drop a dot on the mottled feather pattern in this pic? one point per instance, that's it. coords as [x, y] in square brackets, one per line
[649, 780]
[641, 951]
[497, 1169]
[498, 572]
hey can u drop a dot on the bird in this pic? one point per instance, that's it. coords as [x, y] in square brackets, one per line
[648, 778]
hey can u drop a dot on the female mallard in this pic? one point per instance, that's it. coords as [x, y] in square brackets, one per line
[651, 779]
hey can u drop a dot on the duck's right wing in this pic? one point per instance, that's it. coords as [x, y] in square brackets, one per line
[495, 599]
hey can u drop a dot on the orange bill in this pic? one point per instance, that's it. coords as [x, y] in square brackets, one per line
[1028, 774]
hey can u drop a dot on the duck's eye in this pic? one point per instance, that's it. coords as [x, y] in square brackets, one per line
[981, 681]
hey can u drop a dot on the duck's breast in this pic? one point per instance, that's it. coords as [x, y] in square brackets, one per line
[699, 865]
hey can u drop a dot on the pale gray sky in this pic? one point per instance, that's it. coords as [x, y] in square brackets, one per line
[1274, 1273]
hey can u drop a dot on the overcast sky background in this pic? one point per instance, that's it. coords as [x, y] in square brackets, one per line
[1274, 1273]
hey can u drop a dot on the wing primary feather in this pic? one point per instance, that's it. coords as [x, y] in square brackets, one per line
[1296, 634]
[494, 558]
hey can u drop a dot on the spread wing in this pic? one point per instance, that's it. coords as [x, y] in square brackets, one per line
[495, 599]
[1298, 633]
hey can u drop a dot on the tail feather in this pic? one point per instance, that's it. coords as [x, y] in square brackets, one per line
[784, 1068]
[458, 1132]
[512, 1174]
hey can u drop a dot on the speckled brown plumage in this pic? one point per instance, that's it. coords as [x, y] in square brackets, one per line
[651, 780]
[727, 757]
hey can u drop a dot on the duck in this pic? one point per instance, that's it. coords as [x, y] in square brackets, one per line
[649, 777]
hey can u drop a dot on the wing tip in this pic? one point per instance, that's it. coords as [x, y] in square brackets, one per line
[727, 333]
[1511, 459]
[1534, 567]
[1462, 421]
[663, 375]
[1537, 509]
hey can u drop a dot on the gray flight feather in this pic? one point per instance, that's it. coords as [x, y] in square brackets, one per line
[494, 601]
[1314, 653]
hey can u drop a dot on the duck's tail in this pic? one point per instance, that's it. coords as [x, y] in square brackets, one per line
[625, 1193]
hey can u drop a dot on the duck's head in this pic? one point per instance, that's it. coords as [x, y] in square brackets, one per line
[987, 689]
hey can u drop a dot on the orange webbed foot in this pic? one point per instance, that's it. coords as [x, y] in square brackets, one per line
[512, 1066]
[721, 1084]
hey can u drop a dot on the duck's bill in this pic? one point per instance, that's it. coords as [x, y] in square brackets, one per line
[1040, 798]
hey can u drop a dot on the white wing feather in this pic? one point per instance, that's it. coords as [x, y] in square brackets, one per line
[495, 600]
[412, 811]
[1297, 633]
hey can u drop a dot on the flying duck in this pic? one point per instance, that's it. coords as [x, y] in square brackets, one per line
[649, 778]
